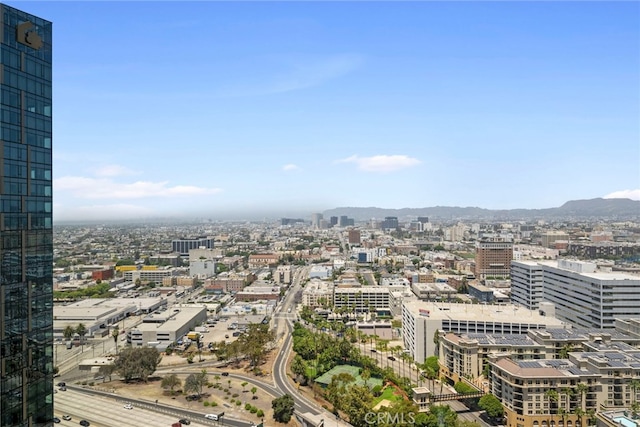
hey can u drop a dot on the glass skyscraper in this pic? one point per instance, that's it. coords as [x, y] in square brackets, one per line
[26, 240]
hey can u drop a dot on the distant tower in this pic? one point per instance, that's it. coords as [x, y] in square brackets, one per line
[333, 221]
[315, 220]
[354, 237]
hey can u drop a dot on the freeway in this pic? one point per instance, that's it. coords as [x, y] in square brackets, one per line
[106, 410]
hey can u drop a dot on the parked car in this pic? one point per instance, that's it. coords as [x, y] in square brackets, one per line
[225, 374]
[393, 359]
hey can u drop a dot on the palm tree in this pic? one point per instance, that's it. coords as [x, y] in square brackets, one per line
[582, 389]
[580, 414]
[82, 331]
[552, 395]
[568, 393]
[563, 415]
[634, 385]
[114, 334]
[68, 332]
[591, 416]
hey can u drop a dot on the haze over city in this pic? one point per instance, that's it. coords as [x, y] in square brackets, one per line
[217, 108]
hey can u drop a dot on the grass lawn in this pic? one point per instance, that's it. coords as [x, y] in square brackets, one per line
[388, 394]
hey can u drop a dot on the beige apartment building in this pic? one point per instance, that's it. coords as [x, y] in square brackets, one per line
[549, 377]
[560, 393]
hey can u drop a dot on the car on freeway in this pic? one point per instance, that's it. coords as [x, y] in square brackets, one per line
[225, 374]
[184, 421]
[63, 388]
[393, 359]
[85, 423]
[213, 417]
[56, 420]
[61, 384]
[66, 417]
[128, 406]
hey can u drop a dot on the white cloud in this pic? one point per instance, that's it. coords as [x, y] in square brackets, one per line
[624, 194]
[290, 167]
[114, 170]
[91, 188]
[382, 163]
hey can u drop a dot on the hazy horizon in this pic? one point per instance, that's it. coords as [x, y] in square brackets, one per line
[165, 109]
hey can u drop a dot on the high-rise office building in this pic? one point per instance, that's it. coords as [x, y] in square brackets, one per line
[315, 220]
[184, 245]
[389, 223]
[26, 238]
[581, 293]
[493, 257]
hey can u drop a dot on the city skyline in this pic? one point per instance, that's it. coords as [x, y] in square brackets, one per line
[170, 109]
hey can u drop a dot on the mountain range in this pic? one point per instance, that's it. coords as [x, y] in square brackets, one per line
[573, 209]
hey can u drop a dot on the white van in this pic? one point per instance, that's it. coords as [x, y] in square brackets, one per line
[213, 417]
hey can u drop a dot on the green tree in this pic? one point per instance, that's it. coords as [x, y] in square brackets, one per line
[492, 406]
[194, 383]
[282, 408]
[634, 385]
[68, 332]
[106, 371]
[580, 413]
[356, 404]
[552, 395]
[170, 382]
[81, 330]
[582, 389]
[298, 367]
[137, 363]
[441, 416]
[337, 389]
[253, 392]
[365, 375]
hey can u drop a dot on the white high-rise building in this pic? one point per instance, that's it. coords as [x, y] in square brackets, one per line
[582, 294]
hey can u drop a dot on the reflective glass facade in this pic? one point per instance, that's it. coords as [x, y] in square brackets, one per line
[26, 241]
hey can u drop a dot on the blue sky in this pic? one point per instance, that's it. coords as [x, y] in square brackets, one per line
[219, 108]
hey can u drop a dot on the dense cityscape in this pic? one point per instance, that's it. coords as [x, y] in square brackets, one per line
[179, 297]
[446, 312]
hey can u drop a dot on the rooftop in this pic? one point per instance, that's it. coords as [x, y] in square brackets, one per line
[506, 313]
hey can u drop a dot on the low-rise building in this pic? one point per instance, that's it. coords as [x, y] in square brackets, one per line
[432, 291]
[317, 293]
[163, 328]
[361, 299]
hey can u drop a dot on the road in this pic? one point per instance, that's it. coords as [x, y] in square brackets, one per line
[108, 411]
[283, 323]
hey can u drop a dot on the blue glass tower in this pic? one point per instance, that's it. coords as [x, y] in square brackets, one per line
[26, 240]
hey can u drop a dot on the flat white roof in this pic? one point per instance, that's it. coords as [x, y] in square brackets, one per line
[507, 313]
